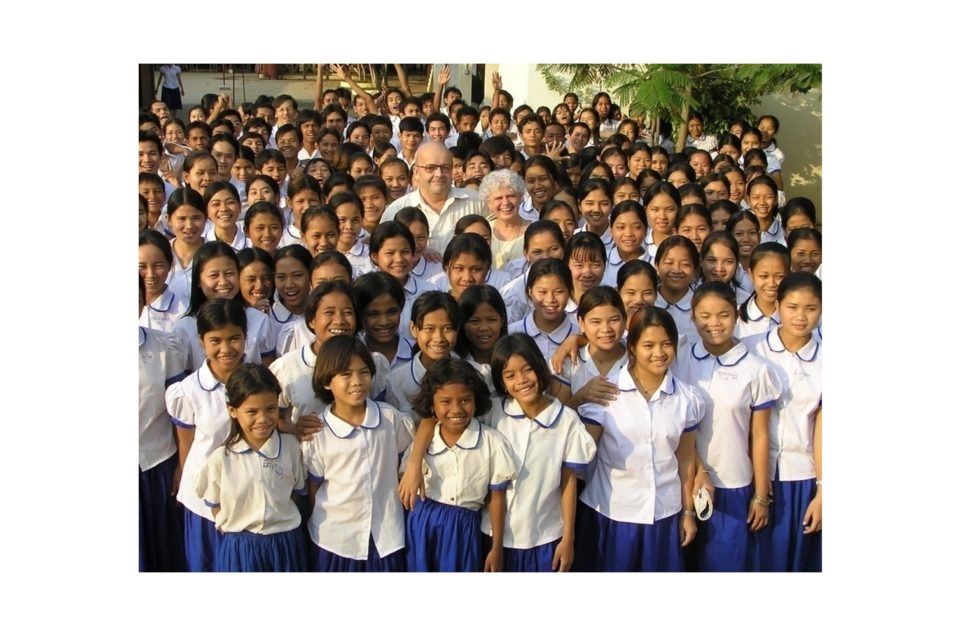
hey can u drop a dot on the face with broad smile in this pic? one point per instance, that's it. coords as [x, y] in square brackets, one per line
[258, 417]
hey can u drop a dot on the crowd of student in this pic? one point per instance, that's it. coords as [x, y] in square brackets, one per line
[401, 333]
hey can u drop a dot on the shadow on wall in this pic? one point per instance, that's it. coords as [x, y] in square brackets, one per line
[801, 139]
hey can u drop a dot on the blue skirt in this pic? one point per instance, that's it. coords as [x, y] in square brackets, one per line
[251, 552]
[605, 545]
[536, 559]
[201, 542]
[725, 542]
[793, 551]
[161, 524]
[443, 538]
[324, 561]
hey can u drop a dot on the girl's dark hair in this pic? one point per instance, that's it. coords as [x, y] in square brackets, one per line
[193, 158]
[262, 207]
[152, 237]
[692, 209]
[368, 287]
[586, 244]
[389, 230]
[692, 189]
[637, 266]
[334, 358]
[716, 288]
[550, 267]
[799, 205]
[410, 215]
[323, 258]
[314, 211]
[207, 252]
[589, 168]
[804, 233]
[318, 293]
[542, 227]
[518, 344]
[467, 243]
[431, 301]
[219, 313]
[267, 179]
[466, 221]
[800, 280]
[250, 255]
[740, 215]
[683, 167]
[451, 371]
[248, 379]
[337, 179]
[598, 297]
[770, 183]
[302, 183]
[184, 196]
[769, 248]
[724, 238]
[545, 162]
[678, 241]
[589, 185]
[625, 206]
[216, 187]
[470, 300]
[650, 316]
[552, 205]
[296, 251]
[661, 187]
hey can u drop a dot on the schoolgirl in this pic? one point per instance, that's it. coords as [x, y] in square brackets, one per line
[737, 182]
[163, 307]
[628, 227]
[661, 202]
[249, 482]
[263, 225]
[263, 187]
[352, 462]
[292, 282]
[464, 462]
[330, 266]
[380, 302]
[256, 279]
[349, 211]
[625, 188]
[561, 213]
[637, 510]
[693, 221]
[646, 179]
[806, 247]
[718, 262]
[769, 264]
[198, 407]
[186, 218]
[474, 224]
[762, 197]
[587, 260]
[215, 275]
[549, 288]
[798, 212]
[423, 269]
[677, 265]
[745, 228]
[796, 425]
[162, 362]
[542, 239]
[616, 160]
[303, 193]
[392, 247]
[595, 200]
[720, 212]
[222, 204]
[467, 261]
[541, 177]
[320, 229]
[659, 160]
[199, 171]
[680, 174]
[733, 439]
[638, 159]
[483, 321]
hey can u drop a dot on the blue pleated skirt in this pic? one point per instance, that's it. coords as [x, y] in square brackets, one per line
[251, 552]
[201, 541]
[536, 559]
[324, 561]
[161, 523]
[724, 540]
[605, 545]
[793, 551]
[443, 538]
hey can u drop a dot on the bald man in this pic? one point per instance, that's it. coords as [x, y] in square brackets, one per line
[435, 195]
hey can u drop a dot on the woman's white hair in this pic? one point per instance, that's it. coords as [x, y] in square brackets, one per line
[499, 180]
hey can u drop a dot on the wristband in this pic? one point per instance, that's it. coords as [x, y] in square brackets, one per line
[689, 513]
[763, 502]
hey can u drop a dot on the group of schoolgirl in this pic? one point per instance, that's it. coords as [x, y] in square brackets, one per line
[304, 374]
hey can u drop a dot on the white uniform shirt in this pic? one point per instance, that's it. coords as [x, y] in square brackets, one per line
[615, 262]
[254, 488]
[163, 312]
[515, 298]
[774, 233]
[291, 236]
[649, 247]
[459, 203]
[424, 270]
[541, 447]
[462, 475]
[637, 478]
[292, 335]
[199, 402]
[495, 278]
[734, 385]
[546, 342]
[756, 322]
[579, 375]
[180, 276]
[162, 362]
[403, 382]
[359, 257]
[412, 289]
[358, 468]
[260, 340]
[239, 240]
[792, 420]
[682, 312]
[606, 237]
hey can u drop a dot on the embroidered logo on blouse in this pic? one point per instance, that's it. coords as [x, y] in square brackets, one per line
[269, 464]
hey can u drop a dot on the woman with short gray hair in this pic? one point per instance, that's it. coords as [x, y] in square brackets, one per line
[502, 191]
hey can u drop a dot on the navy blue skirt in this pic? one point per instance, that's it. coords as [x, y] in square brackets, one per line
[536, 559]
[161, 524]
[793, 551]
[443, 538]
[324, 561]
[251, 552]
[201, 542]
[725, 542]
[605, 545]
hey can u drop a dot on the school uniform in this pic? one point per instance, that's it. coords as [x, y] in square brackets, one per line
[291, 236]
[774, 233]
[260, 341]
[162, 362]
[756, 322]
[179, 279]
[403, 382]
[424, 270]
[239, 240]
[682, 312]
[257, 517]
[443, 532]
[199, 403]
[608, 126]
[615, 262]
[734, 385]
[606, 237]
[515, 268]
[791, 449]
[359, 257]
[413, 288]
[546, 342]
[495, 278]
[703, 142]
[542, 447]
[649, 246]
[282, 321]
[357, 519]
[163, 312]
[527, 211]
[630, 517]
[515, 298]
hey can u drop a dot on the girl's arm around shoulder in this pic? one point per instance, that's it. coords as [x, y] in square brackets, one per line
[208, 479]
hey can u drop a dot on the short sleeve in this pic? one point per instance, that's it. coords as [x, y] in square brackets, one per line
[179, 407]
[404, 430]
[696, 409]
[312, 461]
[579, 447]
[207, 482]
[381, 371]
[176, 355]
[184, 330]
[766, 389]
[276, 368]
[503, 469]
[266, 337]
[285, 340]
[591, 413]
[299, 473]
[566, 374]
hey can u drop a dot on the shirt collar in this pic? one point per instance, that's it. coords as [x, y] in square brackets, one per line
[547, 418]
[755, 315]
[807, 353]
[729, 359]
[206, 378]
[293, 231]
[308, 356]
[411, 286]
[143, 336]
[280, 313]
[357, 249]
[269, 450]
[342, 429]
[684, 304]
[469, 439]
[419, 268]
[556, 337]
[166, 298]
[667, 387]
[404, 349]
